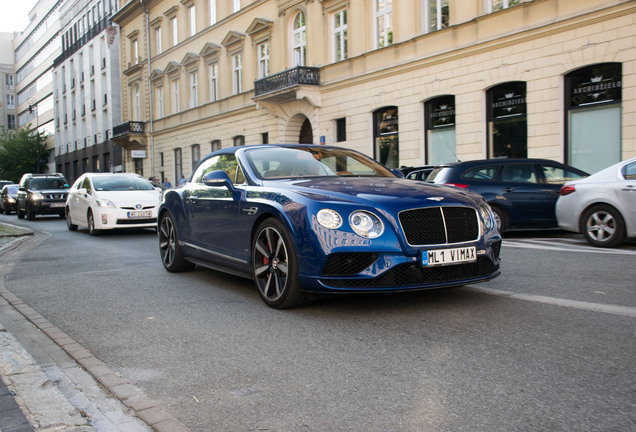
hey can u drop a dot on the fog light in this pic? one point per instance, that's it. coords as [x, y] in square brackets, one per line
[104, 219]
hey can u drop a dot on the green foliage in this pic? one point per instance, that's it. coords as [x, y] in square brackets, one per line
[22, 151]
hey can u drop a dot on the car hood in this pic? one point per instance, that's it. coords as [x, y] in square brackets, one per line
[130, 198]
[377, 191]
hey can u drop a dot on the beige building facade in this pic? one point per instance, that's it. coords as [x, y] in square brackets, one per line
[408, 82]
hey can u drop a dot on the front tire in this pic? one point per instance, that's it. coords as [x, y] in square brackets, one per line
[275, 267]
[169, 249]
[29, 214]
[69, 223]
[500, 218]
[603, 226]
[91, 224]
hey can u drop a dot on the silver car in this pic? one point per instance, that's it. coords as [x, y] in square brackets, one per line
[601, 206]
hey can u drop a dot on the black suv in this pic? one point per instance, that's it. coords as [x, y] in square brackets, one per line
[41, 194]
[521, 192]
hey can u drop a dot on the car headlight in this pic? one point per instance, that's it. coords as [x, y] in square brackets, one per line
[366, 224]
[11, 200]
[35, 196]
[101, 202]
[488, 217]
[329, 218]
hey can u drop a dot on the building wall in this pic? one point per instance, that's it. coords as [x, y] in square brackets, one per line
[536, 42]
[7, 82]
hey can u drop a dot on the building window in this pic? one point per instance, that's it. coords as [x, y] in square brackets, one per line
[158, 40]
[340, 35]
[341, 129]
[237, 73]
[593, 102]
[10, 101]
[137, 104]
[178, 164]
[134, 53]
[196, 155]
[440, 130]
[383, 22]
[213, 73]
[193, 20]
[496, 5]
[239, 140]
[385, 131]
[507, 123]
[215, 145]
[8, 79]
[265, 138]
[437, 15]
[212, 12]
[160, 102]
[263, 60]
[11, 121]
[175, 34]
[193, 90]
[236, 5]
[175, 97]
[299, 35]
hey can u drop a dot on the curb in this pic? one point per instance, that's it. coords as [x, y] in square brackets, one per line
[143, 408]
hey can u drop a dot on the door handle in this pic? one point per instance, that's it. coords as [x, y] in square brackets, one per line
[508, 189]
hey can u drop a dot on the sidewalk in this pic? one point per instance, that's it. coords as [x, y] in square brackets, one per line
[51, 383]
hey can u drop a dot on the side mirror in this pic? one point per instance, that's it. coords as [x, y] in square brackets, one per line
[218, 178]
[82, 191]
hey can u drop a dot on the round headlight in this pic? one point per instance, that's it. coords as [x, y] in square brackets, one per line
[366, 224]
[329, 218]
[488, 217]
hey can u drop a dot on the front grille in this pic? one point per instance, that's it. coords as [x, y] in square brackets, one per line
[54, 196]
[133, 208]
[136, 221]
[412, 275]
[439, 225]
[343, 264]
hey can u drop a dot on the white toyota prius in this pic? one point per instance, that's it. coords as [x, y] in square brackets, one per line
[101, 201]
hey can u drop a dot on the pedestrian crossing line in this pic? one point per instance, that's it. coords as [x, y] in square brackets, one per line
[627, 311]
[533, 244]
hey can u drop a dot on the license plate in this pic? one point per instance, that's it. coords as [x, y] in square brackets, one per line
[440, 257]
[139, 214]
[58, 204]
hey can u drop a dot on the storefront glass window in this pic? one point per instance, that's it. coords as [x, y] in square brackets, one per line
[507, 123]
[387, 149]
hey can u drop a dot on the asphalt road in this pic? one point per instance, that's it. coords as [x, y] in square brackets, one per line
[547, 346]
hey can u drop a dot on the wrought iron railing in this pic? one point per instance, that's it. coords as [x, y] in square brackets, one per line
[300, 75]
[128, 128]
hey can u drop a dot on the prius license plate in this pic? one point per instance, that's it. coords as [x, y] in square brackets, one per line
[139, 214]
[440, 257]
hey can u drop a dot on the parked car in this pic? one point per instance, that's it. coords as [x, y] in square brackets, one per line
[417, 172]
[40, 194]
[521, 192]
[103, 201]
[8, 197]
[601, 206]
[314, 219]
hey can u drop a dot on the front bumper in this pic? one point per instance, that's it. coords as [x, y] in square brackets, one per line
[115, 218]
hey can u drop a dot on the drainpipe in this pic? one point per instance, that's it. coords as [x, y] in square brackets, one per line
[152, 130]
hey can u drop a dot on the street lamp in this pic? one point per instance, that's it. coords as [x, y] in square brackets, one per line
[33, 105]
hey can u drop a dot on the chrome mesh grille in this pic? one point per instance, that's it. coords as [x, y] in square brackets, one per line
[439, 225]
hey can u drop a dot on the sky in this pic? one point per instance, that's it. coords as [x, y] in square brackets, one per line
[14, 14]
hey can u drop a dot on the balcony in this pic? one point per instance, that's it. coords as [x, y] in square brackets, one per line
[296, 83]
[130, 135]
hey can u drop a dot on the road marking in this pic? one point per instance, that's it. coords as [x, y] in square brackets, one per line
[551, 245]
[595, 307]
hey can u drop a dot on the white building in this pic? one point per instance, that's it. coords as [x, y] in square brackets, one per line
[35, 48]
[7, 82]
[86, 74]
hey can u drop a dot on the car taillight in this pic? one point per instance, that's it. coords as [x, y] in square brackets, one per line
[459, 185]
[567, 190]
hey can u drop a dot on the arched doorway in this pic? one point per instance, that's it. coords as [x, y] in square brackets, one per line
[306, 133]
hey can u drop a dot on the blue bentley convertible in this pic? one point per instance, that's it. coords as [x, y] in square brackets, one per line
[302, 220]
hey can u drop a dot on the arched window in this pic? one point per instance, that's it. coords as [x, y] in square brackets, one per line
[385, 134]
[507, 123]
[440, 130]
[593, 97]
[299, 35]
[196, 155]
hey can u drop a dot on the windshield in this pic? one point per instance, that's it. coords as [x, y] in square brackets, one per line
[47, 183]
[121, 183]
[295, 162]
[12, 189]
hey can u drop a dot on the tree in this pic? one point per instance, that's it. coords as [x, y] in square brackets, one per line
[22, 151]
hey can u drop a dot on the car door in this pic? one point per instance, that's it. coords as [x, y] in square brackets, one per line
[214, 213]
[552, 176]
[81, 201]
[528, 202]
[626, 192]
